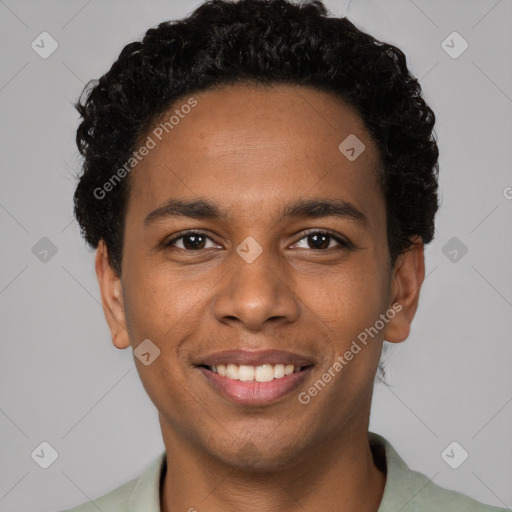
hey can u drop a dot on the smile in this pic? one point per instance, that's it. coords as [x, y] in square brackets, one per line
[262, 373]
[260, 385]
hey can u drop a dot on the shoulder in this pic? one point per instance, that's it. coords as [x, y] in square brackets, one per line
[411, 491]
[142, 493]
[434, 498]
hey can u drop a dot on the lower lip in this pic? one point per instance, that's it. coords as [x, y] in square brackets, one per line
[252, 392]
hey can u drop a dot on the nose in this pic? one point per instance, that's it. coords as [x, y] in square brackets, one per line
[256, 293]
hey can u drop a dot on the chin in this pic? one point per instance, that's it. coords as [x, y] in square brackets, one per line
[260, 453]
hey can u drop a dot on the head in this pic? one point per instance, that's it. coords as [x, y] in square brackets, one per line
[258, 175]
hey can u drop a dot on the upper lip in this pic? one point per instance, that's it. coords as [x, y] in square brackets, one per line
[255, 358]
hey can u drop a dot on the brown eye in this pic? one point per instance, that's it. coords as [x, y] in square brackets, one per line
[321, 240]
[191, 241]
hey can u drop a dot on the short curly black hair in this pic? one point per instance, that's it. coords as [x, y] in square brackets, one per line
[262, 42]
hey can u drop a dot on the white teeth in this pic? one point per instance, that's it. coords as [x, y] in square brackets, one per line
[264, 373]
[278, 371]
[232, 371]
[261, 373]
[245, 373]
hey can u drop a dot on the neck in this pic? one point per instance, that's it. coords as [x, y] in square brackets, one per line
[338, 475]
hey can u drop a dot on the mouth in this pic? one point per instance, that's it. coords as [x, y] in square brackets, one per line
[247, 373]
[255, 378]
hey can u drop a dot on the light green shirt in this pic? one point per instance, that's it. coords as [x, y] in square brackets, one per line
[405, 490]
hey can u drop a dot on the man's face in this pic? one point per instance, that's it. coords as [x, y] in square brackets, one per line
[255, 280]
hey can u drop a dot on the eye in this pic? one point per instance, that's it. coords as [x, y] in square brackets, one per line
[191, 241]
[318, 240]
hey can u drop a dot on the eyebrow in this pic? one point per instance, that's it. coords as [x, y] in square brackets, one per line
[308, 208]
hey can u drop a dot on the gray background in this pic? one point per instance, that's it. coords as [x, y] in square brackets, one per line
[63, 382]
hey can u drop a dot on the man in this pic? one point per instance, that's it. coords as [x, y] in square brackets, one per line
[259, 181]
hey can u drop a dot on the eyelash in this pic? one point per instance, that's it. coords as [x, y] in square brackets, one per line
[343, 244]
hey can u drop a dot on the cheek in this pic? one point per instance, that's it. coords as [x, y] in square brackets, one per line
[160, 310]
[348, 297]
[349, 307]
[161, 302]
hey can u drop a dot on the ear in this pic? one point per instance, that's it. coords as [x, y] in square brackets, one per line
[111, 297]
[408, 276]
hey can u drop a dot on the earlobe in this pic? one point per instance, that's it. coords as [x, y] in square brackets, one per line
[408, 276]
[111, 297]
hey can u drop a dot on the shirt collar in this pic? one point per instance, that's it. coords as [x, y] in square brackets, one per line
[145, 494]
[401, 485]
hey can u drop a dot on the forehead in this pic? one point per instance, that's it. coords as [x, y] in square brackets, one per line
[253, 147]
